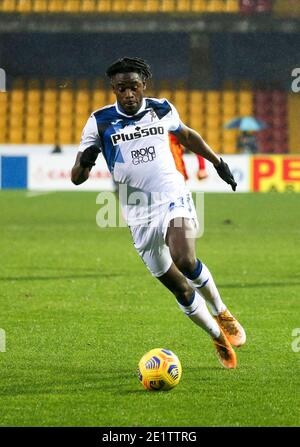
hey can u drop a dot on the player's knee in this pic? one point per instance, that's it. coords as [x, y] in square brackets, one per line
[186, 264]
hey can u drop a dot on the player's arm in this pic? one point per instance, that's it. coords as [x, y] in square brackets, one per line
[88, 152]
[194, 142]
[83, 164]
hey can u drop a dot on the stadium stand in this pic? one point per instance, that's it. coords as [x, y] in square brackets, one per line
[142, 6]
[50, 112]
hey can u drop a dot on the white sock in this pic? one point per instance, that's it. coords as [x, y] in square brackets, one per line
[205, 285]
[197, 311]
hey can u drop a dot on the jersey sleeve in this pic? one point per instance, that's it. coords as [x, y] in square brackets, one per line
[175, 121]
[90, 135]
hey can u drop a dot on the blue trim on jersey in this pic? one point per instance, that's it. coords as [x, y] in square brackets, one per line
[160, 108]
[177, 130]
[109, 121]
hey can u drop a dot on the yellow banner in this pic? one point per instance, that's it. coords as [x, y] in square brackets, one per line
[275, 173]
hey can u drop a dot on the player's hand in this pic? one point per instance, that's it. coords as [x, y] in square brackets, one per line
[89, 156]
[225, 174]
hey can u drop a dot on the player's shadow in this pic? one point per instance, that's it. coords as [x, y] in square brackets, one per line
[79, 381]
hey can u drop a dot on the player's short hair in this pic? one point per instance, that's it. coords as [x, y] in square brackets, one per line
[129, 65]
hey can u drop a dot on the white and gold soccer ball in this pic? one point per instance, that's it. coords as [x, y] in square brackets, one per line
[159, 369]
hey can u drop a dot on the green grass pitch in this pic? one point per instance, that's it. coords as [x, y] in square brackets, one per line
[79, 310]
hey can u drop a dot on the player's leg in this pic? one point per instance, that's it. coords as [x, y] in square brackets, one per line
[194, 306]
[179, 238]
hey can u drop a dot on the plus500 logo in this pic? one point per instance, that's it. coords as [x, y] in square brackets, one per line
[117, 138]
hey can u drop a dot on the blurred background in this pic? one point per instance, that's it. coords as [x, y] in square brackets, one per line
[216, 60]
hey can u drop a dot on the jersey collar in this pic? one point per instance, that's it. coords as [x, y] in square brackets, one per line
[121, 112]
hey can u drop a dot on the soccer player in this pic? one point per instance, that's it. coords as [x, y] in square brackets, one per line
[132, 135]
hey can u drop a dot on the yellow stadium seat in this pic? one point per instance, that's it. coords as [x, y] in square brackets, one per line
[66, 96]
[230, 141]
[65, 109]
[65, 136]
[229, 96]
[213, 122]
[49, 109]
[180, 99]
[135, 5]
[98, 99]
[197, 121]
[24, 5]
[33, 96]
[32, 136]
[152, 6]
[213, 97]
[165, 93]
[118, 6]
[232, 6]
[198, 5]
[150, 93]
[229, 108]
[3, 102]
[82, 96]
[49, 121]
[17, 96]
[88, 5]
[213, 109]
[65, 120]
[15, 135]
[197, 97]
[213, 138]
[8, 5]
[32, 121]
[215, 6]
[183, 5]
[72, 6]
[111, 99]
[56, 5]
[103, 5]
[80, 123]
[245, 96]
[167, 5]
[49, 136]
[3, 137]
[50, 97]
[2, 122]
[40, 6]
[33, 108]
[245, 109]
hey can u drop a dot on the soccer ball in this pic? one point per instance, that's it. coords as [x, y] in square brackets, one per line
[159, 369]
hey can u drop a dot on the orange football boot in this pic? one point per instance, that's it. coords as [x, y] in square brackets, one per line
[232, 328]
[225, 352]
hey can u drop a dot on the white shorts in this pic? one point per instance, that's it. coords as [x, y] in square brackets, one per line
[149, 240]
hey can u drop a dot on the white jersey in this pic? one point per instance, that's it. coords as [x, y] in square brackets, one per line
[137, 152]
